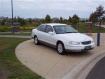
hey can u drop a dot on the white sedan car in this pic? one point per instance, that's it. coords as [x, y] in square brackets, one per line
[63, 37]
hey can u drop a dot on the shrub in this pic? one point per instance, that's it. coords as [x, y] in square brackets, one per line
[5, 28]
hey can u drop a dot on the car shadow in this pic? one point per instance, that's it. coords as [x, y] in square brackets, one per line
[73, 54]
[88, 53]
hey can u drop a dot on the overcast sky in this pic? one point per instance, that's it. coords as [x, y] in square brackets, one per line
[56, 8]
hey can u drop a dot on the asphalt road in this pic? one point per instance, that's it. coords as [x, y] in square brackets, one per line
[98, 71]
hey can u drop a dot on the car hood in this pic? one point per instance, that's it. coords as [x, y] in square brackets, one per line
[78, 37]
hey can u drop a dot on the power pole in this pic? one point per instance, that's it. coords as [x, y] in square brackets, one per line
[12, 15]
[99, 34]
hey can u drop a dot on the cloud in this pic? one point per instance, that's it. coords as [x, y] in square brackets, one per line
[40, 8]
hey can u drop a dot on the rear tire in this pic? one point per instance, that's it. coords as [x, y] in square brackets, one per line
[36, 41]
[60, 48]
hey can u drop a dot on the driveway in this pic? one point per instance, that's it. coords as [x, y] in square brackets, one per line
[50, 65]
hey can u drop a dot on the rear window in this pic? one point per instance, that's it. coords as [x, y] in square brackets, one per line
[42, 28]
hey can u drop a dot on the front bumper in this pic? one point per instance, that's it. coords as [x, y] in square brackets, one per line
[79, 48]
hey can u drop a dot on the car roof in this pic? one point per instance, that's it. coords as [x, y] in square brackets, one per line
[54, 24]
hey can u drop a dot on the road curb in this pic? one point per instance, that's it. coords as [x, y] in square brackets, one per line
[82, 70]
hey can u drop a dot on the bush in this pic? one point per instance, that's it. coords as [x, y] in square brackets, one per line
[19, 28]
[5, 28]
[26, 28]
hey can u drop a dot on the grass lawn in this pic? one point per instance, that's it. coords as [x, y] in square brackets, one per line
[10, 67]
[16, 33]
[83, 28]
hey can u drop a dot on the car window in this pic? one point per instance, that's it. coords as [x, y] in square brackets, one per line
[49, 28]
[61, 29]
[42, 28]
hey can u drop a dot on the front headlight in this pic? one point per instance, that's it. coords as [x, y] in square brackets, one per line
[74, 43]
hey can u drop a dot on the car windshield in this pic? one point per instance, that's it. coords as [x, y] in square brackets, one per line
[61, 29]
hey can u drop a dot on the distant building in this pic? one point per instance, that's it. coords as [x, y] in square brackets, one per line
[55, 20]
[1, 18]
[16, 24]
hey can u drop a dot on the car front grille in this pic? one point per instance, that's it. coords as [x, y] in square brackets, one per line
[86, 42]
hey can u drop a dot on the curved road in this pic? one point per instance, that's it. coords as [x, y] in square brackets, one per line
[98, 71]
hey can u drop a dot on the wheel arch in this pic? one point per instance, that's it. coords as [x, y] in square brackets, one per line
[63, 53]
[35, 36]
[59, 41]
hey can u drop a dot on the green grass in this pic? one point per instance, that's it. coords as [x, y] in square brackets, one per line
[25, 28]
[19, 33]
[84, 28]
[10, 64]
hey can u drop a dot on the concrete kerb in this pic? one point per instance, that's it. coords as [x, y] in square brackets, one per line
[82, 70]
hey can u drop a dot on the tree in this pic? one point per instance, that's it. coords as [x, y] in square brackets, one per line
[103, 18]
[47, 19]
[30, 20]
[93, 18]
[69, 20]
[65, 21]
[61, 20]
[3, 22]
[97, 15]
[75, 20]
[21, 21]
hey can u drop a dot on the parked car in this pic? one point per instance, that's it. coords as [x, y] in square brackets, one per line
[63, 37]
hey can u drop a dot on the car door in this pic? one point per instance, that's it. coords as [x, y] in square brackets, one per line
[49, 38]
[41, 33]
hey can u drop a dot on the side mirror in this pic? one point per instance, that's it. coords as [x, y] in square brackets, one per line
[51, 33]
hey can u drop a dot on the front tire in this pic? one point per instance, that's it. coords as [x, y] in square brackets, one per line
[60, 48]
[36, 41]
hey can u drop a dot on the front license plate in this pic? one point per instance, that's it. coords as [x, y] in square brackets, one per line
[88, 47]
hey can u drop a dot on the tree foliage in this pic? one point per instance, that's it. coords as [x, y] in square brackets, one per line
[61, 20]
[75, 20]
[97, 15]
[69, 20]
[47, 19]
[21, 21]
